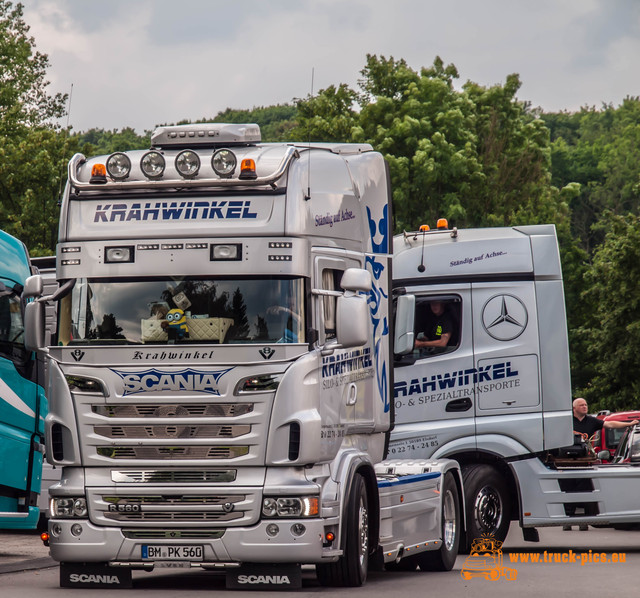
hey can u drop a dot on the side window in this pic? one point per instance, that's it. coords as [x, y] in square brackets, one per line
[330, 282]
[437, 324]
[11, 328]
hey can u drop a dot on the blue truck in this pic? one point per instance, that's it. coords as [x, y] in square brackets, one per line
[23, 405]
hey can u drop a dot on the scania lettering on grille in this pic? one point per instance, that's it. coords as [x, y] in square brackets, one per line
[171, 381]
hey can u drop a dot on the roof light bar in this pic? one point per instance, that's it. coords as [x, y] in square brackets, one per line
[206, 134]
[153, 166]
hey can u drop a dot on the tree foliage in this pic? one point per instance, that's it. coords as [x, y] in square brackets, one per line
[477, 156]
[611, 330]
[24, 101]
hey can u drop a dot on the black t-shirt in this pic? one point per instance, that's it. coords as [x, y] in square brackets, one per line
[589, 425]
[436, 326]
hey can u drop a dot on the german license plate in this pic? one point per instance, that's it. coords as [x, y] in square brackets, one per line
[172, 552]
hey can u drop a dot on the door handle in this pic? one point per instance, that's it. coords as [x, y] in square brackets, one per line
[352, 394]
[459, 405]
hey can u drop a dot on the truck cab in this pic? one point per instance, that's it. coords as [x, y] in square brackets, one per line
[22, 402]
[221, 380]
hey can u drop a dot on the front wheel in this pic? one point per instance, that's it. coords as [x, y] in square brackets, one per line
[350, 570]
[488, 504]
[445, 558]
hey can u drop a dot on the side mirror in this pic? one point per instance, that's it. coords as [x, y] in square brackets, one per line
[405, 314]
[355, 279]
[33, 287]
[34, 325]
[352, 320]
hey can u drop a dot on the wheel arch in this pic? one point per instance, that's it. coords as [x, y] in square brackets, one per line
[501, 465]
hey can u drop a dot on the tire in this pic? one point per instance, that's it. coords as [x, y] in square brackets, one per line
[488, 504]
[350, 570]
[445, 558]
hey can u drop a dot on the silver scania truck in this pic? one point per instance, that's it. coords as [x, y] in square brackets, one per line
[221, 380]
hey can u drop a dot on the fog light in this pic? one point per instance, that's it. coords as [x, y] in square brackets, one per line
[187, 164]
[224, 162]
[152, 165]
[118, 166]
[273, 530]
[56, 530]
[76, 529]
[298, 529]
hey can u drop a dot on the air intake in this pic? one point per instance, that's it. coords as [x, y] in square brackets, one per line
[294, 441]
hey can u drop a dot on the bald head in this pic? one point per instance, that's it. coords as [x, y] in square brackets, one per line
[580, 408]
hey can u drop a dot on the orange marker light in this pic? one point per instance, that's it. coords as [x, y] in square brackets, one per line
[98, 174]
[330, 537]
[442, 223]
[44, 536]
[248, 169]
[425, 228]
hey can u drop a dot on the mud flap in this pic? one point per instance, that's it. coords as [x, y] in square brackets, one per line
[94, 575]
[262, 576]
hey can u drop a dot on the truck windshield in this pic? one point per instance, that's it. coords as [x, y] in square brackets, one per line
[183, 310]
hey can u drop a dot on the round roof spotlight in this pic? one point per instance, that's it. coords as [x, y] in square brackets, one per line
[118, 166]
[224, 162]
[152, 165]
[187, 164]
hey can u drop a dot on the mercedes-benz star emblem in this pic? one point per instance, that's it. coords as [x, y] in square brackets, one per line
[504, 317]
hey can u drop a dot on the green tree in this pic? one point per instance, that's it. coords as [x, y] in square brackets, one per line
[32, 154]
[611, 332]
[478, 156]
[24, 101]
[32, 173]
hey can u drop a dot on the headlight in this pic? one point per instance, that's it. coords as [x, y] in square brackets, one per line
[187, 164]
[69, 507]
[118, 166]
[261, 383]
[152, 165]
[224, 162]
[291, 506]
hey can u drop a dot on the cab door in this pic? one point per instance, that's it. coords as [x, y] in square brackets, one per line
[434, 389]
[506, 354]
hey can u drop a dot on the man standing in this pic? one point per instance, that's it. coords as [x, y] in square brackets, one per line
[589, 425]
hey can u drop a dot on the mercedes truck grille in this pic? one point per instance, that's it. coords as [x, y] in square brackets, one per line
[173, 452]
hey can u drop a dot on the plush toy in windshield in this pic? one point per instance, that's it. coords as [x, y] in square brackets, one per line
[176, 324]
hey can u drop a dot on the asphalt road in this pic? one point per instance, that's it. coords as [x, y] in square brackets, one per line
[568, 565]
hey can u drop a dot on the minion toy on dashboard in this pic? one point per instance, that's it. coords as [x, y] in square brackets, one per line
[176, 324]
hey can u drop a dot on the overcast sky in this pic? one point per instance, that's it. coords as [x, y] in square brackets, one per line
[139, 63]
